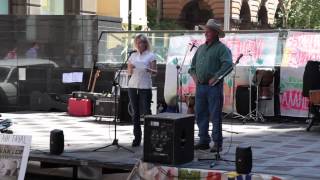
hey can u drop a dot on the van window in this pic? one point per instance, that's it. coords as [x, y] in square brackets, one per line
[14, 76]
[4, 71]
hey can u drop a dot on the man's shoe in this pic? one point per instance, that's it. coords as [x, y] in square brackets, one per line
[135, 143]
[215, 149]
[201, 146]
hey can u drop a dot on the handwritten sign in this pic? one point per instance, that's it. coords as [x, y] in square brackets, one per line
[14, 152]
[259, 50]
[299, 49]
[180, 54]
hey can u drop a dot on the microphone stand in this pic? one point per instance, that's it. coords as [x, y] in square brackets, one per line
[179, 81]
[233, 114]
[177, 90]
[115, 84]
[217, 156]
[229, 70]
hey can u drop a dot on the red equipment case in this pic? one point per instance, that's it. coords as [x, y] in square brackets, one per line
[79, 107]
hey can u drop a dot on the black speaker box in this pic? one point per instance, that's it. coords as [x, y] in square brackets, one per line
[56, 142]
[310, 80]
[40, 101]
[168, 138]
[243, 160]
[242, 99]
[124, 115]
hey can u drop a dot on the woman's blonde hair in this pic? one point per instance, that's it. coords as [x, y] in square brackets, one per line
[142, 38]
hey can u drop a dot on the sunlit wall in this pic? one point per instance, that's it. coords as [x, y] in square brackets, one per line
[4, 9]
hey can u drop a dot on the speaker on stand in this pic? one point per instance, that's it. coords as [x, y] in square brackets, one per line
[242, 99]
[310, 82]
[124, 115]
[311, 87]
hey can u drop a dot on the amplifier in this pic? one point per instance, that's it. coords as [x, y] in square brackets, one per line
[87, 95]
[168, 138]
[105, 107]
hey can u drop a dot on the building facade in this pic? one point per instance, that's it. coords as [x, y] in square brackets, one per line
[245, 14]
[111, 8]
[62, 33]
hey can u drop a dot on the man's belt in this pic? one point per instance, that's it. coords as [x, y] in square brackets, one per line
[207, 83]
[203, 83]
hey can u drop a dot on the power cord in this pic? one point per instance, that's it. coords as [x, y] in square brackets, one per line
[231, 138]
[225, 153]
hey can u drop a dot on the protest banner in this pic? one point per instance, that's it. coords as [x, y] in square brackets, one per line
[259, 50]
[14, 153]
[300, 48]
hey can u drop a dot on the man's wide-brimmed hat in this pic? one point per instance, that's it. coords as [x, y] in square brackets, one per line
[212, 24]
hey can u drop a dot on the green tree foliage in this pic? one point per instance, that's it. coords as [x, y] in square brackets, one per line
[164, 24]
[303, 14]
[152, 16]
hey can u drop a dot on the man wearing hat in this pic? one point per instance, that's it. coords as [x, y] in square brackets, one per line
[210, 61]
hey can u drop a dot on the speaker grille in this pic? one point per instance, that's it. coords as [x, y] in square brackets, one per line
[243, 160]
[56, 142]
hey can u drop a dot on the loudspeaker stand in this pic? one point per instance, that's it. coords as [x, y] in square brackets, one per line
[217, 158]
[115, 143]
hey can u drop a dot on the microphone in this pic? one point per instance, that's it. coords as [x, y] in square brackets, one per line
[228, 70]
[240, 56]
[193, 46]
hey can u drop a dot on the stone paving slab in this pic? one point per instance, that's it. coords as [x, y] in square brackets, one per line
[284, 149]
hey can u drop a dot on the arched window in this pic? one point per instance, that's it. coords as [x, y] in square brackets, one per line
[245, 16]
[194, 13]
[263, 17]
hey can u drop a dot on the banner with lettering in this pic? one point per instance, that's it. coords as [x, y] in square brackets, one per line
[299, 49]
[14, 153]
[143, 170]
[259, 54]
[259, 50]
[180, 53]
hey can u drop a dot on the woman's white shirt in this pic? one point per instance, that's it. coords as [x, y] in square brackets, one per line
[141, 78]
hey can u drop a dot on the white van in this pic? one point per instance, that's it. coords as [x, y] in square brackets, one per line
[9, 75]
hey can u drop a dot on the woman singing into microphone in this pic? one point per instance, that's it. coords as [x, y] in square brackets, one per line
[141, 66]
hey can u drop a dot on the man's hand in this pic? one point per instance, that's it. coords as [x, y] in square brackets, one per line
[212, 81]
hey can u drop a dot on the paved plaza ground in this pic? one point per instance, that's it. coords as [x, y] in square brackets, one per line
[281, 148]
